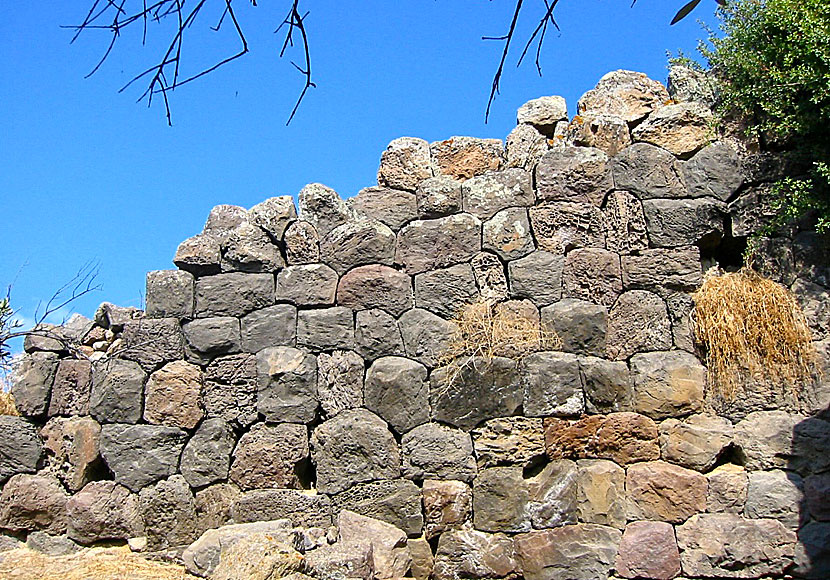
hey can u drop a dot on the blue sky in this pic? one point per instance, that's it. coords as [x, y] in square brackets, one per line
[86, 174]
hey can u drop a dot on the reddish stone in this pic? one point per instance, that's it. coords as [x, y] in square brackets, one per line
[661, 491]
[621, 437]
[648, 550]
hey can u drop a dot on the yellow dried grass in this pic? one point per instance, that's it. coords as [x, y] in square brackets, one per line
[752, 329]
[7, 404]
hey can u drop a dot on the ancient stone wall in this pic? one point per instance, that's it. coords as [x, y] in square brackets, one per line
[291, 369]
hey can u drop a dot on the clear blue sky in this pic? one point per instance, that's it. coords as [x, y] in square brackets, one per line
[87, 174]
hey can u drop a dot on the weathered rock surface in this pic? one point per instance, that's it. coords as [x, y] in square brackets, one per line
[140, 455]
[425, 335]
[543, 113]
[648, 172]
[607, 133]
[73, 449]
[508, 441]
[322, 208]
[307, 285]
[638, 322]
[394, 501]
[433, 451]
[468, 553]
[117, 391]
[257, 556]
[600, 492]
[438, 196]
[447, 505]
[20, 447]
[592, 274]
[172, 396]
[446, 291]
[607, 384]
[339, 381]
[648, 550]
[508, 234]
[564, 225]
[574, 174]
[437, 243]
[206, 458]
[621, 437]
[696, 442]
[103, 510]
[390, 555]
[33, 502]
[356, 243]
[405, 163]
[301, 508]
[625, 223]
[664, 492]
[71, 388]
[397, 390]
[777, 495]
[272, 326]
[270, 456]
[32, 383]
[286, 384]
[230, 389]
[490, 193]
[581, 326]
[552, 384]
[302, 243]
[233, 294]
[667, 384]
[169, 513]
[537, 277]
[391, 207]
[683, 128]
[376, 286]
[377, 334]
[466, 157]
[727, 489]
[624, 93]
[273, 215]
[581, 552]
[325, 328]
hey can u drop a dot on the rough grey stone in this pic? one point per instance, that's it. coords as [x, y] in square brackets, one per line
[489, 274]
[51, 545]
[562, 226]
[697, 442]
[169, 294]
[357, 243]
[447, 291]
[20, 447]
[714, 171]
[302, 243]
[574, 174]
[667, 384]
[273, 215]
[466, 157]
[169, 513]
[524, 146]
[625, 223]
[103, 510]
[340, 381]
[114, 317]
[405, 163]
[508, 234]
[302, 508]
[376, 286]
[32, 383]
[776, 494]
[376, 334]
[592, 274]
[624, 93]
[489, 193]
[765, 439]
[438, 196]
[352, 559]
[437, 243]
[326, 328]
[322, 208]
[812, 553]
[152, 342]
[233, 294]
[648, 172]
[248, 248]
[272, 326]
[658, 268]
[392, 207]
[552, 385]
[552, 495]
[537, 277]
[500, 499]
[425, 335]
[353, 447]
[543, 113]
[140, 455]
[680, 307]
[689, 84]
[199, 254]
[727, 489]
[71, 388]
[638, 322]
[208, 338]
[608, 133]
[683, 222]
[207, 456]
[580, 325]
[270, 456]
[394, 501]
[468, 553]
[44, 337]
[307, 285]
[509, 441]
[682, 128]
[397, 391]
[117, 391]
[815, 303]
[481, 389]
[608, 387]
[286, 384]
[433, 451]
[223, 218]
[33, 502]
[447, 505]
[230, 389]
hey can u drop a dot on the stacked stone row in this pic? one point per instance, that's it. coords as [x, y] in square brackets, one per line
[290, 368]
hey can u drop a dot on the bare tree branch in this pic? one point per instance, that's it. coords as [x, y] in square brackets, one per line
[494, 89]
[296, 22]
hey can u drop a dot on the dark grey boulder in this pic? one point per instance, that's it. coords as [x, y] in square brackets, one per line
[326, 328]
[169, 294]
[32, 383]
[272, 326]
[376, 334]
[208, 338]
[140, 455]
[169, 513]
[581, 326]
[20, 447]
[537, 277]
[433, 451]
[394, 501]
[714, 171]
[447, 291]
[117, 391]
[648, 172]
[286, 384]
[307, 285]
[683, 222]
[207, 456]
[397, 390]
[151, 342]
[233, 294]
[425, 335]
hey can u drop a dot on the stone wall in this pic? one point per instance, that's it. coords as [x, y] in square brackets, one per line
[289, 370]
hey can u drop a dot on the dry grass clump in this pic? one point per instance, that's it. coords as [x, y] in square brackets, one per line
[488, 329]
[7, 404]
[752, 329]
[92, 564]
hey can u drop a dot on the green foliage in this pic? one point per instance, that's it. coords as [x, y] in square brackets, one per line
[773, 61]
[8, 326]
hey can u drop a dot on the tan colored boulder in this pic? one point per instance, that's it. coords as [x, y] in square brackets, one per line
[696, 442]
[600, 492]
[470, 554]
[605, 132]
[621, 437]
[667, 384]
[661, 491]
[466, 157]
[683, 128]
[578, 552]
[623, 93]
[509, 440]
[727, 489]
[390, 554]
[172, 395]
[259, 556]
[405, 163]
[73, 445]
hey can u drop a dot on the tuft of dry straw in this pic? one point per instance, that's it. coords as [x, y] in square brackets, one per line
[488, 329]
[751, 329]
[7, 404]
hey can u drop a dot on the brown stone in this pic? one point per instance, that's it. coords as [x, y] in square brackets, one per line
[466, 157]
[600, 492]
[667, 384]
[423, 245]
[683, 128]
[103, 510]
[509, 441]
[563, 225]
[622, 437]
[172, 395]
[340, 381]
[70, 390]
[33, 502]
[269, 456]
[661, 491]
[727, 489]
[623, 93]
[405, 163]
[390, 555]
[376, 286]
[697, 442]
[648, 550]
[592, 274]
[423, 562]
[470, 554]
[577, 552]
[73, 445]
[447, 505]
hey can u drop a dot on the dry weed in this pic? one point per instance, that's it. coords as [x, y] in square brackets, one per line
[751, 329]
[487, 329]
[7, 404]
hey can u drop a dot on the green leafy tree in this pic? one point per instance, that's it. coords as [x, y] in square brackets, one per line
[773, 63]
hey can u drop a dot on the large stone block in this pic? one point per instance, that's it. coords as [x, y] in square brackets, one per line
[273, 215]
[376, 286]
[714, 171]
[578, 552]
[625, 223]
[683, 128]
[562, 226]
[206, 458]
[321, 207]
[377, 334]
[466, 157]
[552, 495]
[438, 196]
[600, 492]
[623, 93]
[71, 388]
[500, 500]
[390, 555]
[592, 274]
[272, 326]
[270, 456]
[405, 163]
[199, 254]
[103, 510]
[302, 243]
[467, 553]
[648, 550]
[607, 384]
[213, 505]
[648, 172]
[152, 342]
[426, 336]
[777, 495]
[356, 243]
[391, 207]
[307, 285]
[140, 455]
[575, 174]
[248, 248]
[397, 390]
[492, 192]
[32, 383]
[727, 489]
[353, 447]
[447, 291]
[230, 389]
[223, 218]
[537, 277]
[508, 234]
[580, 325]
[302, 508]
[638, 322]
[524, 146]
[286, 384]
[20, 447]
[765, 439]
[210, 337]
[621, 437]
[552, 384]
[543, 113]
[729, 546]
[173, 396]
[447, 505]
[33, 502]
[326, 328]
[697, 442]
[664, 492]
[608, 133]
[667, 384]
[481, 389]
[117, 391]
[340, 381]
[509, 441]
[427, 244]
[394, 501]
[683, 222]
[73, 449]
[433, 451]
[658, 268]
[169, 513]
[233, 294]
